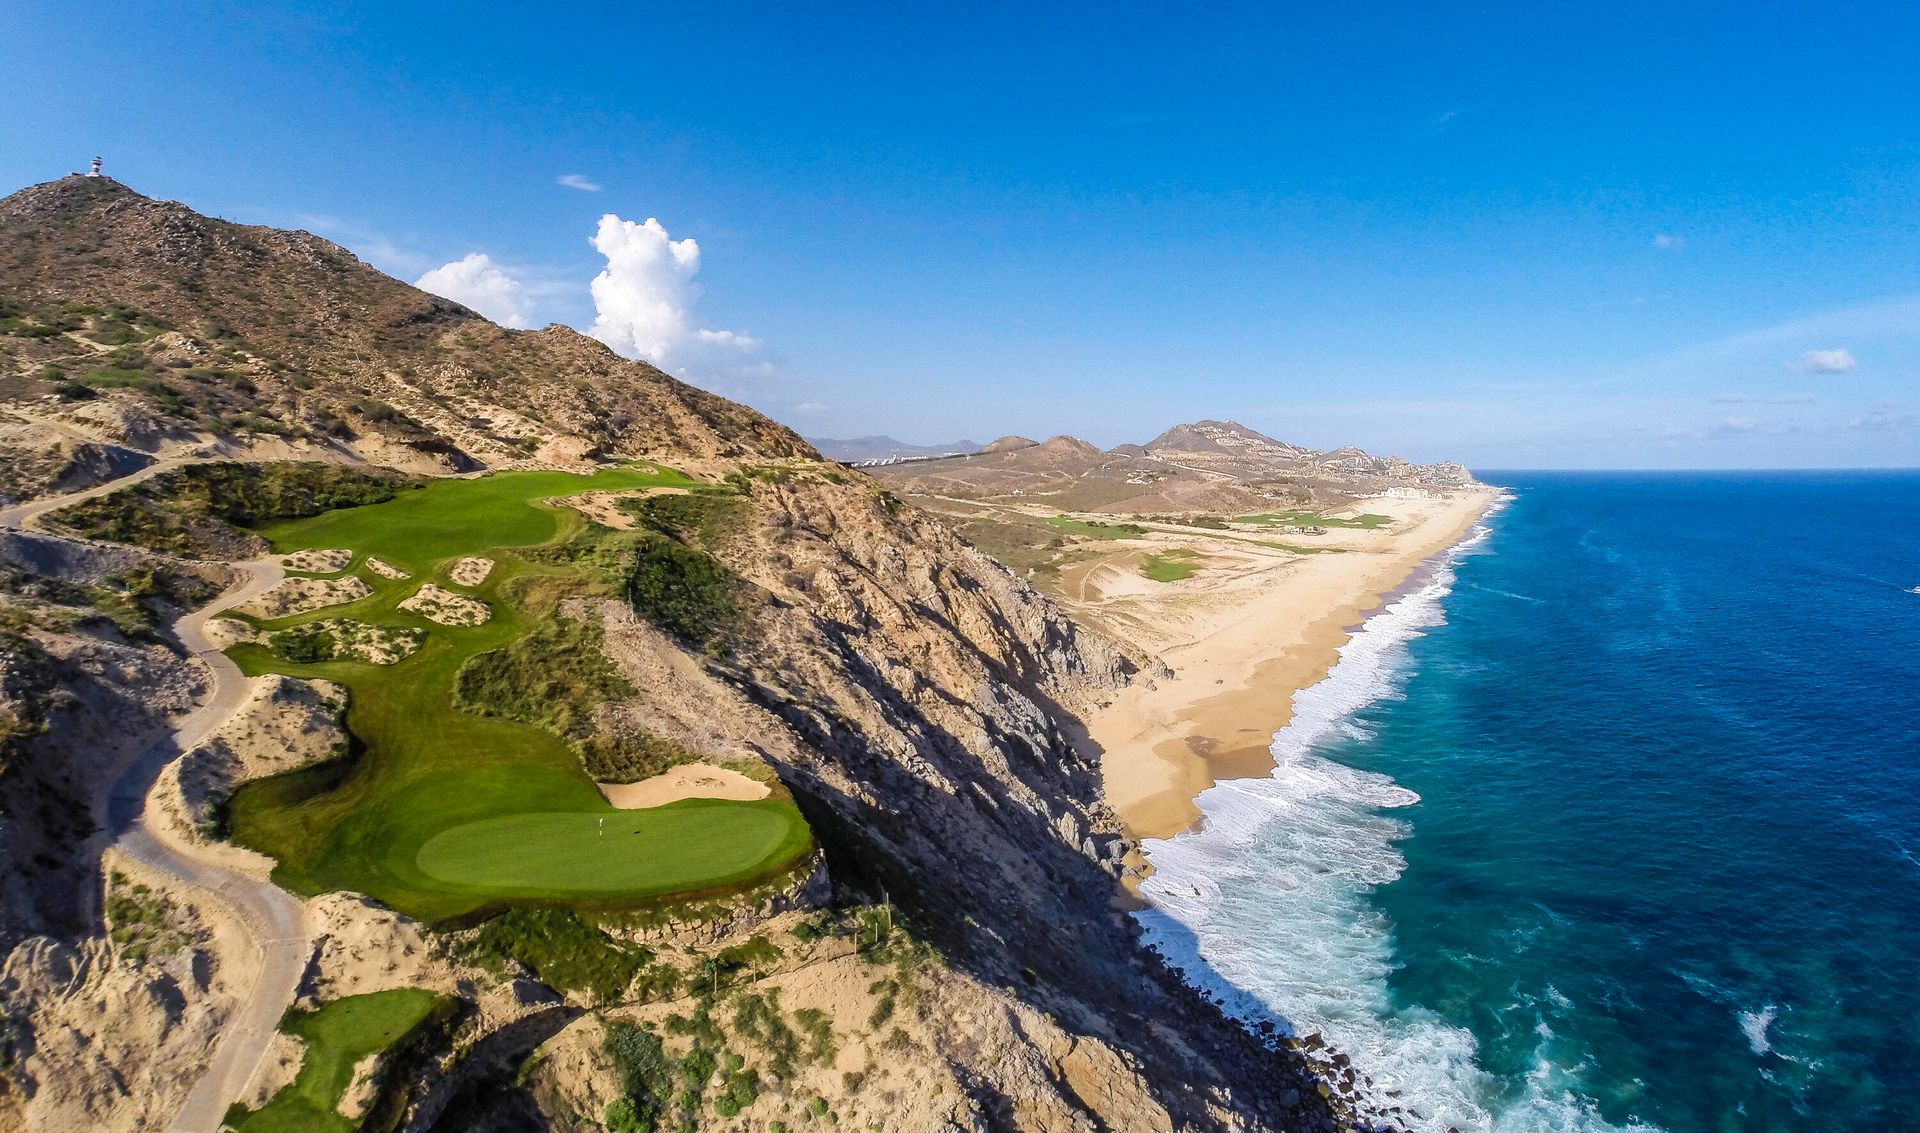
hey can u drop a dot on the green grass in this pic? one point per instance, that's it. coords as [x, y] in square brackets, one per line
[1171, 566]
[448, 518]
[1297, 549]
[336, 1037]
[408, 819]
[1094, 529]
[1365, 522]
[692, 844]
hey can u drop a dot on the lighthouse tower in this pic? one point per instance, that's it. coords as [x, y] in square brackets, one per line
[95, 170]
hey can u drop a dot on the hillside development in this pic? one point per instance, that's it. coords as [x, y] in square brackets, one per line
[871, 877]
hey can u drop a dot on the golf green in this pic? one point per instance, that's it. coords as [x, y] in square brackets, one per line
[439, 811]
[691, 844]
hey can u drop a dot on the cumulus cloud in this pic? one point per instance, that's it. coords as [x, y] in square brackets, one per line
[1836, 361]
[644, 304]
[578, 181]
[476, 281]
[1667, 241]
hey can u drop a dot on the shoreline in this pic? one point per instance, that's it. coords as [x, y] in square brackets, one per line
[1164, 741]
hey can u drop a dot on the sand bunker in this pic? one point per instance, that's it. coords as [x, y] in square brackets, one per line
[470, 571]
[444, 606]
[385, 569]
[335, 639]
[318, 562]
[298, 595]
[688, 781]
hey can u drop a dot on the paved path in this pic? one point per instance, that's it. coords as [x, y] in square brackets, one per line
[20, 517]
[275, 919]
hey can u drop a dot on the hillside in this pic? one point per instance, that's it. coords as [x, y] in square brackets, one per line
[649, 580]
[1207, 466]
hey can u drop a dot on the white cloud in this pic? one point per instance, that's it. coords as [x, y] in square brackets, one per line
[1836, 361]
[578, 181]
[644, 304]
[1668, 241]
[809, 407]
[476, 281]
[1740, 424]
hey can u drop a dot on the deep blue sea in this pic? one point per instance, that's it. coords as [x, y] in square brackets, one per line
[1610, 821]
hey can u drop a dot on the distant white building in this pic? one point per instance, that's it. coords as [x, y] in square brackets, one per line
[1409, 493]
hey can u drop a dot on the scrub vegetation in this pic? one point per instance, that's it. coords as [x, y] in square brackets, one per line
[195, 509]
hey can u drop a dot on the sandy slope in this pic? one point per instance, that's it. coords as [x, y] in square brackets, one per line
[275, 920]
[1241, 637]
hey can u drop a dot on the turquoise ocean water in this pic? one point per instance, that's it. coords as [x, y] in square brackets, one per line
[1611, 820]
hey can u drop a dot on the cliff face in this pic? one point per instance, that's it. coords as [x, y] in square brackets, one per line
[913, 694]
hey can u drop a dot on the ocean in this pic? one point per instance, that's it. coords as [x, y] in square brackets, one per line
[1609, 820]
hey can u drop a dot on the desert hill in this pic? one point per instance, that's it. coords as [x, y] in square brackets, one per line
[948, 957]
[1206, 466]
[263, 336]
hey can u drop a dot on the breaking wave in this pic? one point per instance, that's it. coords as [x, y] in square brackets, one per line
[1268, 905]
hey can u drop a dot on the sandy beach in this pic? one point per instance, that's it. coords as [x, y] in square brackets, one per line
[1240, 636]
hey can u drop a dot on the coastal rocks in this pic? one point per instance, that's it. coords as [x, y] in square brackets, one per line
[471, 571]
[438, 604]
[329, 561]
[299, 595]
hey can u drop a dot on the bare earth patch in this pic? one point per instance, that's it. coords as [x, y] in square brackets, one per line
[687, 781]
[444, 606]
[470, 571]
[225, 633]
[603, 508]
[318, 561]
[385, 569]
[298, 595]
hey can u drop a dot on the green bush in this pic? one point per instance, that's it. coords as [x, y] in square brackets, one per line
[646, 1077]
[686, 593]
[561, 950]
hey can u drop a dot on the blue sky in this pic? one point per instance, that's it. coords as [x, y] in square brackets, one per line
[1520, 235]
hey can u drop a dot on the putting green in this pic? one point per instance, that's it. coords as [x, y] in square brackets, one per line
[441, 812]
[691, 844]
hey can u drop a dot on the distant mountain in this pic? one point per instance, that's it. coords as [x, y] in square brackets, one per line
[1219, 466]
[884, 448]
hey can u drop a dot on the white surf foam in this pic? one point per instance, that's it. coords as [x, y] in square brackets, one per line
[1755, 1024]
[1268, 905]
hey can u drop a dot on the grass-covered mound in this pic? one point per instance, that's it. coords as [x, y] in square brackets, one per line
[195, 509]
[444, 809]
[334, 1038]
